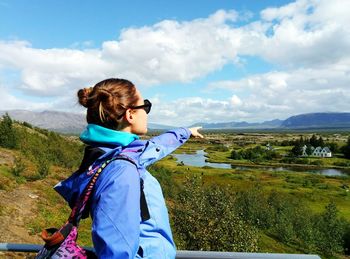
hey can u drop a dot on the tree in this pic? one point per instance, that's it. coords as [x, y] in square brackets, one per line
[7, 132]
[204, 219]
[313, 141]
[330, 231]
[346, 149]
[333, 146]
[309, 150]
[320, 142]
[297, 150]
[236, 155]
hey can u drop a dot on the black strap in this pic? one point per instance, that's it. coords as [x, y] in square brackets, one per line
[143, 204]
[84, 198]
[140, 252]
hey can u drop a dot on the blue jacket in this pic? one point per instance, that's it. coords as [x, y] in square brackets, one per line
[117, 228]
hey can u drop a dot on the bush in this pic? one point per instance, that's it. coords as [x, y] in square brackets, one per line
[165, 178]
[330, 231]
[18, 167]
[43, 168]
[346, 149]
[26, 124]
[253, 207]
[220, 148]
[204, 219]
[256, 154]
[7, 133]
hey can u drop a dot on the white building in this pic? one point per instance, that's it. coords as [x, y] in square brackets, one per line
[322, 152]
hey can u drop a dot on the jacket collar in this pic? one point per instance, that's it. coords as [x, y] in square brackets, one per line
[97, 135]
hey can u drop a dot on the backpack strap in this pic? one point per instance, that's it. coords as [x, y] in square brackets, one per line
[143, 204]
[82, 201]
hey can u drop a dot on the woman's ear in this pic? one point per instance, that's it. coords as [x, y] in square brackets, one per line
[129, 116]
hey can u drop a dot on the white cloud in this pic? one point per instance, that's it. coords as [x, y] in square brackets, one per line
[196, 109]
[52, 72]
[235, 100]
[306, 33]
[308, 41]
[169, 51]
[11, 102]
[282, 94]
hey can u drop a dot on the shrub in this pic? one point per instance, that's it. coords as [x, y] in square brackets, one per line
[204, 219]
[346, 149]
[7, 133]
[330, 231]
[256, 154]
[164, 176]
[43, 168]
[18, 167]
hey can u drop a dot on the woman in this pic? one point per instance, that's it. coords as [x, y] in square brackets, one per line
[130, 218]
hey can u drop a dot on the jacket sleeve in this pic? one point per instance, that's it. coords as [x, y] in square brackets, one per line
[116, 212]
[162, 145]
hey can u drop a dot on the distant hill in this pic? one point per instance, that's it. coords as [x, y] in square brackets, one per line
[325, 120]
[241, 125]
[318, 120]
[63, 122]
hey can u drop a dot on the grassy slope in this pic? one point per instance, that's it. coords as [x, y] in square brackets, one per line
[316, 191]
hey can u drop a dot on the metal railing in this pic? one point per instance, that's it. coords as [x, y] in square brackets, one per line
[31, 248]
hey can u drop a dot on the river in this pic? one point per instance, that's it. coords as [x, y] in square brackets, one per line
[199, 158]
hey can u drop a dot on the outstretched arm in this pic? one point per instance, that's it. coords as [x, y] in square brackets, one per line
[162, 145]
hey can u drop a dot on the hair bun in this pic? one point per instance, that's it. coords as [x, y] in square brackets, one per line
[83, 96]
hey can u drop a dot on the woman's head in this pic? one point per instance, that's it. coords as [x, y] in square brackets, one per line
[114, 103]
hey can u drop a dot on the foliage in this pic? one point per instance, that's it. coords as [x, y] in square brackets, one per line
[297, 150]
[7, 133]
[254, 154]
[43, 147]
[43, 168]
[166, 180]
[311, 143]
[218, 147]
[330, 231]
[316, 142]
[204, 219]
[291, 222]
[346, 149]
[48, 148]
[18, 167]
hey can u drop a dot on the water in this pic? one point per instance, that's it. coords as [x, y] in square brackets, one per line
[198, 160]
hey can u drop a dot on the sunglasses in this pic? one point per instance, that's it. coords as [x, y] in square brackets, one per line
[146, 106]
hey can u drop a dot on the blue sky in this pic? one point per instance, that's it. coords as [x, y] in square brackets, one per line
[198, 61]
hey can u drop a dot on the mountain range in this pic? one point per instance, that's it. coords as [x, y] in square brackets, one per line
[65, 122]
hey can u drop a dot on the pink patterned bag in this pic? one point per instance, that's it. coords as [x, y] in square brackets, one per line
[61, 243]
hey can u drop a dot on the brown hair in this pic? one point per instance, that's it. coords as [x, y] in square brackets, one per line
[107, 101]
